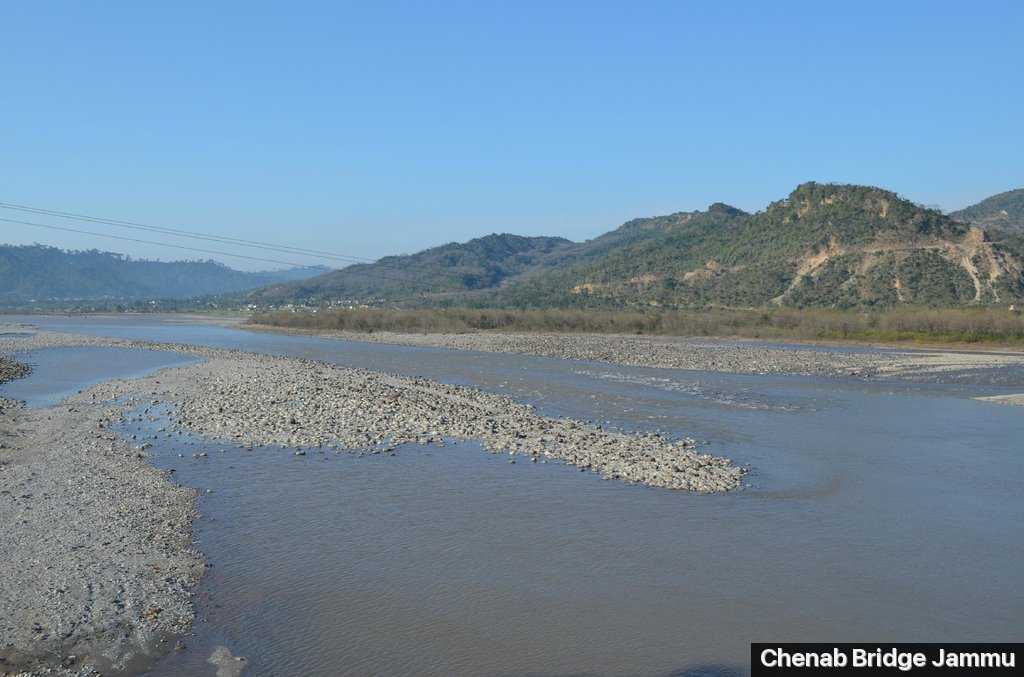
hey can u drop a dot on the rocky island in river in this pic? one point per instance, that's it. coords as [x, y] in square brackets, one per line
[102, 540]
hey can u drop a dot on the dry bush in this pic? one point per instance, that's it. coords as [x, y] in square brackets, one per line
[975, 325]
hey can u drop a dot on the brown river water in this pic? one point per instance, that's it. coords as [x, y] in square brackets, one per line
[874, 511]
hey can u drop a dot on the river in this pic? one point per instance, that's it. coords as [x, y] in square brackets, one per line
[874, 511]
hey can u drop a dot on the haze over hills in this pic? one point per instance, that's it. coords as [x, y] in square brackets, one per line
[1004, 212]
[825, 245]
[40, 274]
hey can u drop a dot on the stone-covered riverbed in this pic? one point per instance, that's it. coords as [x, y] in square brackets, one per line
[450, 560]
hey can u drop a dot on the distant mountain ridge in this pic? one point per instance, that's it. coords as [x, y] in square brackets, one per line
[1004, 212]
[47, 274]
[824, 245]
[470, 271]
[439, 272]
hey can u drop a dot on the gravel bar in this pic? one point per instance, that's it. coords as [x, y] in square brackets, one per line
[98, 559]
[11, 369]
[738, 356]
[99, 542]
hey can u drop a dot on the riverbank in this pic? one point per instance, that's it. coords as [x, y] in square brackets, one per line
[705, 354]
[101, 540]
[99, 564]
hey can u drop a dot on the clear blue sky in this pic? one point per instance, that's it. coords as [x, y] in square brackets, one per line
[375, 128]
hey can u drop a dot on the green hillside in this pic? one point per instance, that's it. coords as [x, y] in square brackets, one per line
[432, 274]
[41, 275]
[484, 269]
[642, 259]
[1004, 212]
[825, 245]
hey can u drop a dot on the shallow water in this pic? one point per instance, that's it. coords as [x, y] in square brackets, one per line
[61, 372]
[874, 511]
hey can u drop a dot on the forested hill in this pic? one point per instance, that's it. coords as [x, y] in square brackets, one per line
[641, 261]
[825, 245]
[436, 273]
[41, 274]
[473, 271]
[1004, 212]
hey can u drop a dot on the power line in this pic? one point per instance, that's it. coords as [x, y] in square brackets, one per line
[399, 269]
[191, 249]
[161, 244]
[405, 271]
[135, 225]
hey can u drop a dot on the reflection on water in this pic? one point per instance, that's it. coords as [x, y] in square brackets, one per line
[875, 510]
[60, 372]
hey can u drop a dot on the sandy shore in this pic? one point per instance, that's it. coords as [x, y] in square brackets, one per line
[734, 356]
[100, 540]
